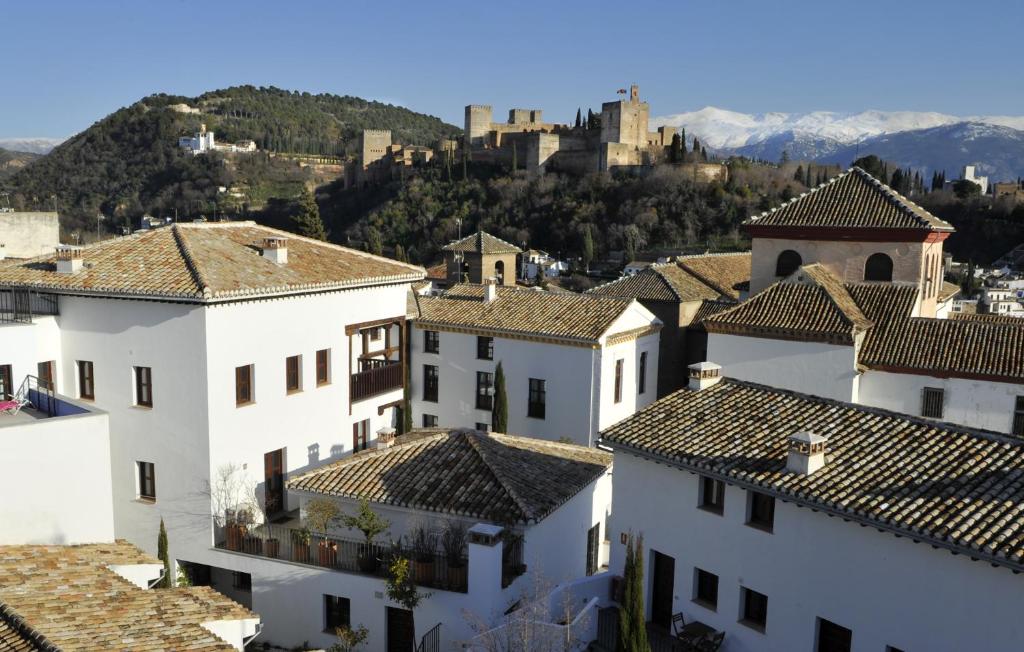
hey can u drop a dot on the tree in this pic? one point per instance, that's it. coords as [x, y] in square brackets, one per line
[579, 118]
[784, 158]
[873, 166]
[587, 247]
[401, 588]
[400, 254]
[349, 639]
[499, 415]
[374, 242]
[366, 521]
[307, 220]
[632, 623]
[675, 152]
[964, 189]
[406, 410]
[799, 175]
[166, 581]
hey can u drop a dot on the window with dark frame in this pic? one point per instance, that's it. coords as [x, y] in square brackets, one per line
[755, 609]
[429, 420]
[86, 380]
[762, 511]
[242, 581]
[712, 494]
[484, 348]
[147, 480]
[705, 590]
[337, 613]
[430, 383]
[431, 341]
[360, 435]
[483, 427]
[292, 377]
[484, 390]
[618, 380]
[833, 637]
[323, 375]
[243, 385]
[47, 372]
[144, 386]
[538, 398]
[1018, 417]
[931, 402]
[641, 375]
[6, 382]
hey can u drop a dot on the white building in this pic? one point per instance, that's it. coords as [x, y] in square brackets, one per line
[24, 234]
[536, 264]
[802, 523]
[968, 173]
[573, 364]
[203, 141]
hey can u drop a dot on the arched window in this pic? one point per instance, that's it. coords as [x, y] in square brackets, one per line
[878, 268]
[788, 262]
[499, 272]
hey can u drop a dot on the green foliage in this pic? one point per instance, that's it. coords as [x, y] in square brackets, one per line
[366, 521]
[400, 586]
[166, 581]
[374, 242]
[499, 415]
[873, 166]
[321, 513]
[964, 189]
[306, 222]
[183, 580]
[349, 639]
[587, 248]
[632, 623]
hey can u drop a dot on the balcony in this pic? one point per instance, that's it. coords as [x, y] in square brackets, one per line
[375, 377]
[20, 306]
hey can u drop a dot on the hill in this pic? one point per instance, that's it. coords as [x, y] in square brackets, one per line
[11, 162]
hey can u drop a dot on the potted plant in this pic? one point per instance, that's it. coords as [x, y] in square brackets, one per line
[237, 524]
[300, 545]
[273, 547]
[320, 513]
[423, 549]
[370, 524]
[453, 540]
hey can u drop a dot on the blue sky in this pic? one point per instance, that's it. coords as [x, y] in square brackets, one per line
[69, 63]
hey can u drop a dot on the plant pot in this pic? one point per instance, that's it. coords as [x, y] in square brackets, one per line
[273, 548]
[300, 552]
[235, 534]
[252, 545]
[424, 571]
[458, 577]
[367, 562]
[328, 554]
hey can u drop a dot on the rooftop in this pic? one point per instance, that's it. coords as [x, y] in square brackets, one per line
[482, 243]
[690, 278]
[727, 273]
[497, 478]
[854, 199]
[952, 487]
[206, 263]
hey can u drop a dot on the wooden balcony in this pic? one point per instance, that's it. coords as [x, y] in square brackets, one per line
[375, 377]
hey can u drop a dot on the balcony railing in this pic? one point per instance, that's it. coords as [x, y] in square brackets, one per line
[375, 377]
[297, 545]
[22, 305]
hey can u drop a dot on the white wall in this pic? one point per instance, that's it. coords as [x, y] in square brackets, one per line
[827, 370]
[973, 403]
[632, 401]
[28, 234]
[889, 591]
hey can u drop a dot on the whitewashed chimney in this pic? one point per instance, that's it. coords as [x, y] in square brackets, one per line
[704, 375]
[69, 259]
[276, 250]
[806, 453]
[385, 438]
[490, 290]
[3, 251]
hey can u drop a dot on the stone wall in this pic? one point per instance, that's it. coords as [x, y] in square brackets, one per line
[28, 234]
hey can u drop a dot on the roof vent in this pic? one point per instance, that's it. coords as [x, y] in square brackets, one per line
[704, 375]
[806, 453]
[490, 289]
[385, 438]
[276, 250]
[69, 259]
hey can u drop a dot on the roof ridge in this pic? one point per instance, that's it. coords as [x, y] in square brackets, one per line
[22, 628]
[475, 440]
[324, 243]
[831, 286]
[190, 262]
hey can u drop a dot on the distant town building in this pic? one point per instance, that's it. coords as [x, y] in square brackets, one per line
[968, 173]
[203, 141]
[481, 256]
[1012, 190]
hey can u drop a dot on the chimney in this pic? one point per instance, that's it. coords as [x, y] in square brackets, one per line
[490, 289]
[275, 249]
[704, 375]
[3, 251]
[69, 259]
[806, 453]
[385, 438]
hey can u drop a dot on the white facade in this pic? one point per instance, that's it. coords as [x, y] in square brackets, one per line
[887, 590]
[28, 234]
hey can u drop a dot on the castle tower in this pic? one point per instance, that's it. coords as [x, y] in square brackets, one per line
[478, 124]
[626, 121]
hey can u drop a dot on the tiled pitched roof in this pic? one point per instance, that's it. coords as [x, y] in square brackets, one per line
[207, 262]
[707, 309]
[438, 272]
[854, 199]
[18, 636]
[811, 305]
[948, 291]
[559, 315]
[953, 487]
[663, 282]
[69, 595]
[985, 317]
[483, 243]
[727, 273]
[498, 478]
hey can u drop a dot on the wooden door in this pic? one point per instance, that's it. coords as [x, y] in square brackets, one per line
[273, 473]
[663, 581]
[593, 548]
[6, 382]
[401, 630]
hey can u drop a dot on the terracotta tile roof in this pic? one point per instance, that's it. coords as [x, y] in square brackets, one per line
[854, 199]
[18, 636]
[558, 315]
[811, 305]
[985, 317]
[483, 243]
[663, 282]
[707, 309]
[498, 478]
[948, 291]
[727, 273]
[438, 272]
[952, 487]
[69, 595]
[207, 262]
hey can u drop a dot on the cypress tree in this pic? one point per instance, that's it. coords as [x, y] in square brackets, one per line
[588, 247]
[162, 554]
[307, 220]
[579, 118]
[400, 254]
[374, 244]
[625, 621]
[499, 415]
[632, 625]
[799, 175]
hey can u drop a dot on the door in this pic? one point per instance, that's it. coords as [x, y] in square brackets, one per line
[401, 630]
[6, 382]
[663, 579]
[593, 548]
[273, 473]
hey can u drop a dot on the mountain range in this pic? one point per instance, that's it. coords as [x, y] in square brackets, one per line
[924, 141]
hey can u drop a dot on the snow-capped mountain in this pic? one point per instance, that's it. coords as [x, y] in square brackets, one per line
[30, 145]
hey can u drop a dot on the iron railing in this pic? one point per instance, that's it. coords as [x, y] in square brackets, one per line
[17, 305]
[431, 641]
[298, 545]
[375, 377]
[39, 393]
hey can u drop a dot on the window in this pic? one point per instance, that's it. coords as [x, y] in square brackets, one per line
[1018, 417]
[336, 613]
[761, 511]
[788, 262]
[431, 341]
[484, 348]
[360, 433]
[144, 386]
[878, 268]
[833, 637]
[86, 380]
[618, 380]
[593, 548]
[241, 581]
[429, 420]
[499, 272]
[47, 372]
[641, 375]
[375, 334]
[538, 398]
[243, 385]
[147, 480]
[483, 427]
[712, 494]
[6, 382]
[705, 589]
[323, 367]
[931, 402]
[292, 375]
[484, 390]
[754, 609]
[430, 383]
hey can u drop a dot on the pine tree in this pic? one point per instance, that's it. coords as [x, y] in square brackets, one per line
[499, 413]
[307, 220]
[166, 581]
